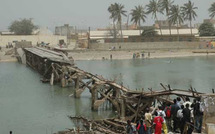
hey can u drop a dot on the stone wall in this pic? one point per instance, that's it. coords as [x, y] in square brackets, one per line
[52, 39]
[148, 45]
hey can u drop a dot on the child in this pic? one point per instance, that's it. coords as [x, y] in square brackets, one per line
[158, 123]
[141, 128]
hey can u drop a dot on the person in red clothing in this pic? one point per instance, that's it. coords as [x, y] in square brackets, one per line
[141, 128]
[158, 123]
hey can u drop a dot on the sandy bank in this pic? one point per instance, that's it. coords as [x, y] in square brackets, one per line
[119, 55]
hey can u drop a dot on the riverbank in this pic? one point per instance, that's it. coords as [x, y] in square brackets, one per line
[6, 58]
[116, 55]
[120, 55]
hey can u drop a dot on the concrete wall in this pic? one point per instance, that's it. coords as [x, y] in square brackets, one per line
[52, 39]
[147, 45]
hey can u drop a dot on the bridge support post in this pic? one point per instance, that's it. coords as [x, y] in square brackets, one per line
[63, 81]
[122, 114]
[78, 91]
[94, 93]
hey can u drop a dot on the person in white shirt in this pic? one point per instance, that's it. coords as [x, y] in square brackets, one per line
[180, 116]
[163, 115]
[187, 102]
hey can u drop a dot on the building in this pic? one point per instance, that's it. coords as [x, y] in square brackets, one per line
[65, 30]
[164, 24]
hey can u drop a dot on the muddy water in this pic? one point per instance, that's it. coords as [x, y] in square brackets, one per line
[28, 106]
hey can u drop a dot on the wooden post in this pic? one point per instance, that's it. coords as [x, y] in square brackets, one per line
[63, 81]
[122, 116]
[52, 79]
[77, 87]
[94, 93]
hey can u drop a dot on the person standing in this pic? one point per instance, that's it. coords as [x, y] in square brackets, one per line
[167, 111]
[174, 110]
[141, 128]
[198, 116]
[180, 117]
[187, 102]
[158, 121]
[162, 114]
[130, 129]
[185, 119]
[148, 120]
[179, 101]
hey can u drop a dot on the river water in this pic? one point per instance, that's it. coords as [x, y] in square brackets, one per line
[28, 106]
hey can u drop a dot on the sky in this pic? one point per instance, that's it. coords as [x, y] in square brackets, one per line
[79, 13]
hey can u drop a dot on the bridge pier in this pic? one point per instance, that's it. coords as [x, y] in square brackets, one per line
[94, 93]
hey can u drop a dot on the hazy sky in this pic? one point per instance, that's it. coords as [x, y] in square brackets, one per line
[80, 13]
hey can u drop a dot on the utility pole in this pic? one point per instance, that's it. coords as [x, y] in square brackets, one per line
[88, 45]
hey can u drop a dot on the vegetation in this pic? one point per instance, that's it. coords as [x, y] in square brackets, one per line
[138, 15]
[149, 32]
[117, 11]
[154, 7]
[22, 27]
[189, 13]
[165, 6]
[206, 29]
[175, 17]
[212, 10]
[111, 10]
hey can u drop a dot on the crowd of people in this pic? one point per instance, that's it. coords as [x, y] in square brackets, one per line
[180, 117]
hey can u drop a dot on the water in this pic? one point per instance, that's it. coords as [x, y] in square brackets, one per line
[28, 106]
[180, 73]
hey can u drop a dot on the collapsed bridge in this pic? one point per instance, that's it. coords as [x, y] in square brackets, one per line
[56, 67]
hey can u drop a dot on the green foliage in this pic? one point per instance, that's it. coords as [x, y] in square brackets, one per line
[138, 14]
[22, 27]
[212, 10]
[117, 11]
[154, 7]
[206, 29]
[149, 32]
[188, 11]
[166, 5]
[175, 15]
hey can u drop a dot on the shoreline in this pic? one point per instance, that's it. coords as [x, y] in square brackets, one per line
[120, 55]
[126, 55]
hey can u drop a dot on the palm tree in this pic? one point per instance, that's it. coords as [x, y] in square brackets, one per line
[189, 13]
[111, 10]
[138, 15]
[175, 17]
[212, 10]
[119, 11]
[166, 5]
[154, 8]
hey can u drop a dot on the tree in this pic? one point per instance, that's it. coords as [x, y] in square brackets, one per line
[175, 17]
[154, 7]
[212, 10]
[149, 32]
[118, 13]
[112, 11]
[206, 29]
[189, 13]
[22, 27]
[138, 15]
[166, 5]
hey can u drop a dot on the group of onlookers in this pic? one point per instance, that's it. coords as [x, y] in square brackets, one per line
[180, 117]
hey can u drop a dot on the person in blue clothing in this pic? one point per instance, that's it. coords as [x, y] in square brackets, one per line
[141, 128]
